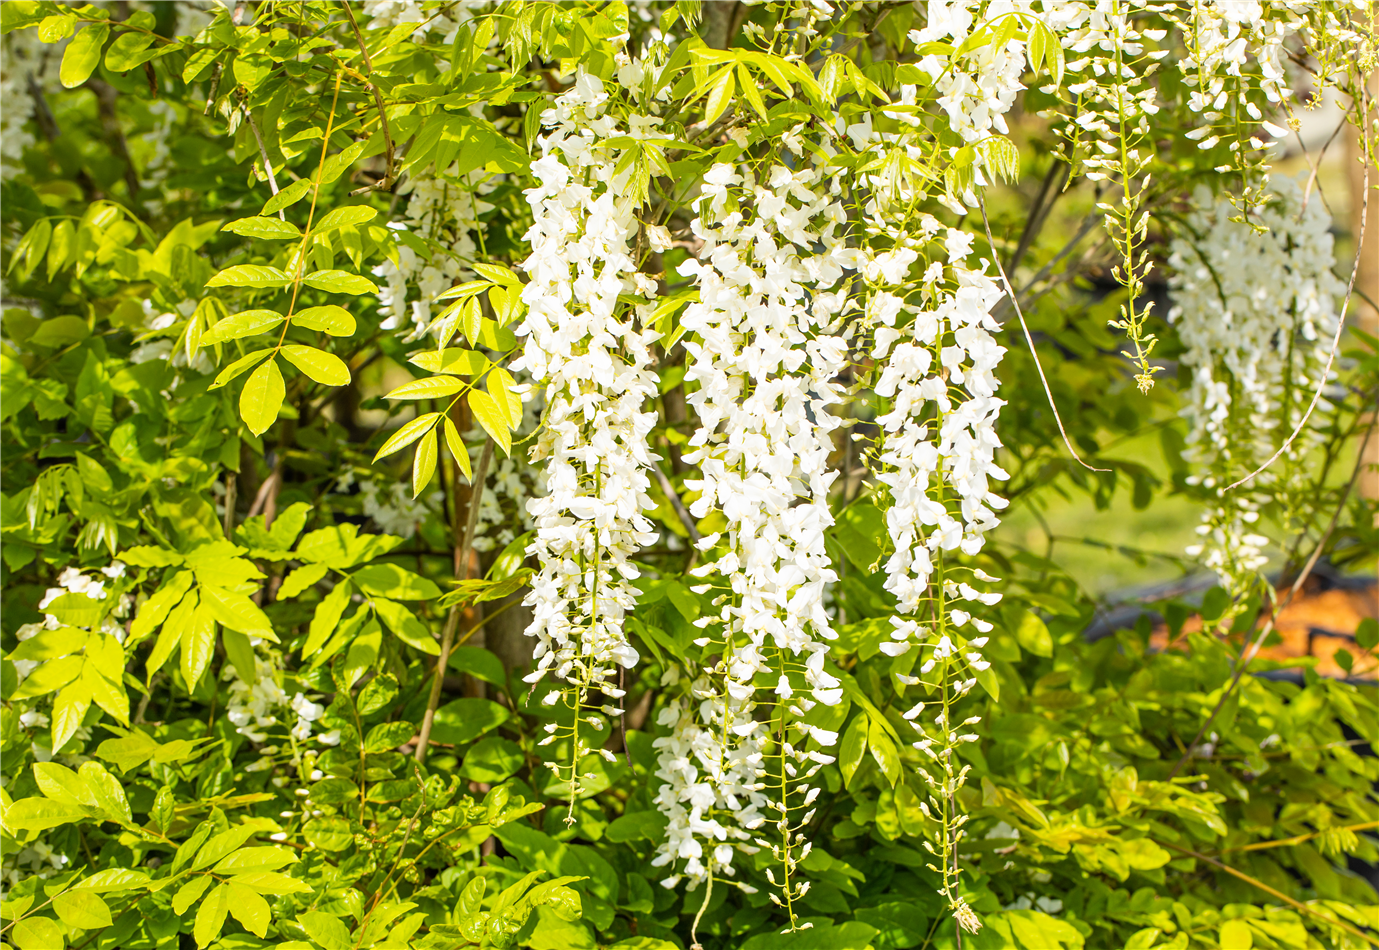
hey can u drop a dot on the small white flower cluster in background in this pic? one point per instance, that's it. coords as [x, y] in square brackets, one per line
[73, 581]
[23, 55]
[255, 708]
[592, 356]
[436, 22]
[1256, 311]
[444, 213]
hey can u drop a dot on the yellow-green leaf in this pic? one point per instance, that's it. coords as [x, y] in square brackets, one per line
[457, 448]
[210, 916]
[249, 908]
[500, 383]
[344, 217]
[242, 324]
[720, 96]
[326, 368]
[198, 644]
[337, 321]
[178, 620]
[424, 465]
[82, 910]
[250, 275]
[407, 434]
[190, 892]
[239, 366]
[340, 282]
[262, 397]
[456, 360]
[268, 229]
[82, 55]
[38, 933]
[493, 418]
[435, 387]
[750, 90]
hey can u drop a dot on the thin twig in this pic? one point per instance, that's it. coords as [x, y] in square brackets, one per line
[1248, 657]
[1255, 882]
[452, 622]
[377, 98]
[1010, 293]
[673, 497]
[1340, 321]
[263, 154]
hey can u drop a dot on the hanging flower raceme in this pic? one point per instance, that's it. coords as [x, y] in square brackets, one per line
[1256, 311]
[592, 354]
[710, 794]
[766, 355]
[937, 459]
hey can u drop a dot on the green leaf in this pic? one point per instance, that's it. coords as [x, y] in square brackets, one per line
[190, 892]
[239, 366]
[248, 908]
[500, 385]
[389, 580]
[237, 612]
[480, 663]
[340, 282]
[453, 359]
[113, 879]
[198, 645]
[720, 96]
[68, 711]
[853, 748]
[82, 55]
[300, 580]
[405, 626]
[330, 932]
[493, 418]
[492, 760]
[52, 675]
[271, 882]
[883, 750]
[1033, 635]
[326, 618]
[344, 217]
[267, 858]
[177, 624]
[40, 814]
[242, 324]
[323, 367]
[434, 387]
[82, 910]
[250, 275]
[424, 464]
[107, 791]
[328, 834]
[457, 448]
[61, 784]
[497, 273]
[464, 720]
[407, 434]
[330, 318]
[220, 845]
[210, 916]
[38, 933]
[51, 644]
[290, 195]
[77, 610]
[267, 228]
[262, 397]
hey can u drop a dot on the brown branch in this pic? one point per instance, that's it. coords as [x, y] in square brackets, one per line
[452, 622]
[389, 178]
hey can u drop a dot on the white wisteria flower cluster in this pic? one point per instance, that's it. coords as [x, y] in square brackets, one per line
[937, 459]
[767, 354]
[1256, 310]
[592, 355]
